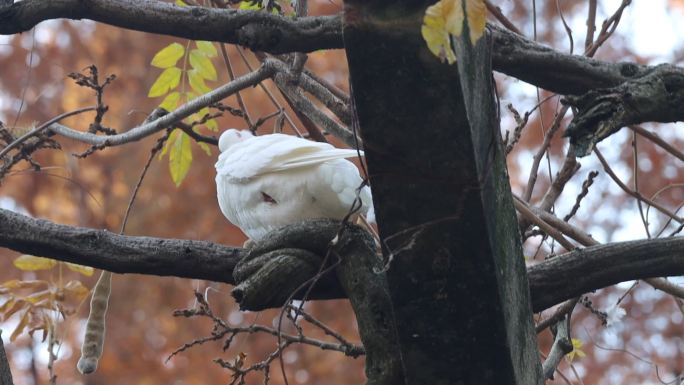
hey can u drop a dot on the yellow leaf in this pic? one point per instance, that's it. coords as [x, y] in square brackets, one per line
[170, 102]
[167, 80]
[207, 48]
[205, 147]
[168, 56]
[29, 263]
[248, 6]
[202, 64]
[180, 3]
[197, 82]
[576, 350]
[212, 125]
[477, 19]
[434, 30]
[85, 270]
[180, 157]
[445, 18]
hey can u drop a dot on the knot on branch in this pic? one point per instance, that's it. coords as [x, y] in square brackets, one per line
[656, 96]
[284, 264]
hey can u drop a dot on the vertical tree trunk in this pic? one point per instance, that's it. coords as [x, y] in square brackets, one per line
[443, 202]
[5, 373]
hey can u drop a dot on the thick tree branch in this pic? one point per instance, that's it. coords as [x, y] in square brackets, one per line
[551, 282]
[552, 70]
[657, 96]
[513, 54]
[260, 31]
[118, 253]
[584, 270]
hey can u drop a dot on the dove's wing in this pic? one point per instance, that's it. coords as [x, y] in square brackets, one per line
[275, 153]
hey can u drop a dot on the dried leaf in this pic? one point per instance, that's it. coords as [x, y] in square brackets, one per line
[20, 326]
[17, 284]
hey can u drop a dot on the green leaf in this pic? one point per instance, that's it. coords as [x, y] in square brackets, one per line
[171, 100]
[168, 56]
[205, 147]
[202, 64]
[180, 3]
[197, 82]
[212, 125]
[167, 80]
[248, 6]
[207, 48]
[180, 157]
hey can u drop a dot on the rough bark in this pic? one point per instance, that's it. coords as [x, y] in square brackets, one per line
[549, 282]
[284, 261]
[585, 270]
[348, 250]
[260, 31]
[442, 199]
[555, 71]
[656, 96]
[118, 253]
[512, 54]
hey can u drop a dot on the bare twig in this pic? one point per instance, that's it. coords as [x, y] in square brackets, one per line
[542, 150]
[189, 108]
[42, 127]
[496, 11]
[585, 190]
[658, 140]
[634, 194]
[561, 311]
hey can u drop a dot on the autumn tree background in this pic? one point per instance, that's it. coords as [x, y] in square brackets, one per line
[643, 347]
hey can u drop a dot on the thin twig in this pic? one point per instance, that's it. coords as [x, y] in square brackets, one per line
[659, 141]
[42, 127]
[496, 12]
[632, 193]
[585, 190]
[542, 150]
[635, 177]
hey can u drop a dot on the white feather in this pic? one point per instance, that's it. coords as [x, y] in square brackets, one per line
[269, 181]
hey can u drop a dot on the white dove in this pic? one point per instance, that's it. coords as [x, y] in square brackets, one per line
[268, 181]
